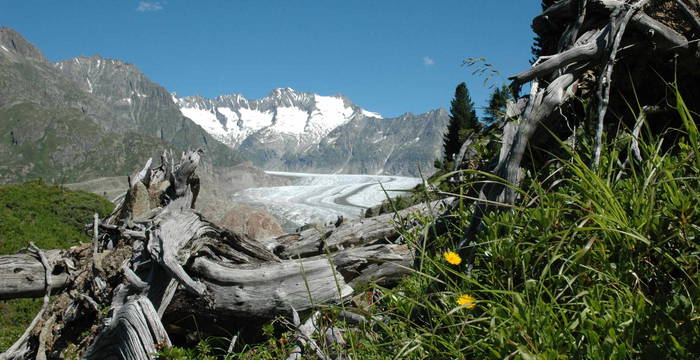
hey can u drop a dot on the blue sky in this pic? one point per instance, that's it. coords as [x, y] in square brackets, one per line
[386, 56]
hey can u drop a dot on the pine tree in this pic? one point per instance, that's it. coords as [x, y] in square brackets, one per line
[463, 120]
[497, 104]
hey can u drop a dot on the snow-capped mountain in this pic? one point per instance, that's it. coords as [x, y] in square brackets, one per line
[298, 131]
[284, 112]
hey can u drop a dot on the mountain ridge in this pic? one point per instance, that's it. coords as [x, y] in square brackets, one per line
[292, 131]
[52, 127]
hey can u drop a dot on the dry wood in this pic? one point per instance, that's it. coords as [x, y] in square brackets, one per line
[303, 337]
[20, 349]
[689, 14]
[157, 256]
[619, 25]
[133, 333]
[590, 49]
[664, 38]
[314, 241]
[166, 258]
[541, 104]
[23, 275]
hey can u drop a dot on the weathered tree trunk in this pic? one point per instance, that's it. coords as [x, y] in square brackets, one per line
[155, 255]
[592, 41]
[22, 275]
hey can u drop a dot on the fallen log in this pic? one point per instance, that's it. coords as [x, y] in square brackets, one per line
[155, 258]
[315, 241]
[22, 275]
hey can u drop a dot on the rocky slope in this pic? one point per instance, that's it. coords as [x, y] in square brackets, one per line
[401, 145]
[53, 126]
[298, 131]
[140, 105]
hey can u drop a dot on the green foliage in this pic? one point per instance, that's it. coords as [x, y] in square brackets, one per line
[16, 316]
[463, 120]
[50, 216]
[600, 264]
[497, 104]
[202, 351]
[592, 264]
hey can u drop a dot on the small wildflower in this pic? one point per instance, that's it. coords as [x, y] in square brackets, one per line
[452, 257]
[467, 301]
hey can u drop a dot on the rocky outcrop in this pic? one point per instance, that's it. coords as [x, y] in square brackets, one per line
[12, 41]
[256, 223]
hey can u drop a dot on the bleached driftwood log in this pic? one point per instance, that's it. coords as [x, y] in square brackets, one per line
[155, 255]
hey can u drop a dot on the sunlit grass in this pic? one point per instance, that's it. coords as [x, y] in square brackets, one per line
[591, 264]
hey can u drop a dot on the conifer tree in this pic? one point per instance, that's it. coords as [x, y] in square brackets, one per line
[497, 104]
[463, 120]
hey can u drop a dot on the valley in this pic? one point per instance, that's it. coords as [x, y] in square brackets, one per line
[322, 198]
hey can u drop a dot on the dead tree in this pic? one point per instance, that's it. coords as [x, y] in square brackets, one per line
[649, 42]
[156, 258]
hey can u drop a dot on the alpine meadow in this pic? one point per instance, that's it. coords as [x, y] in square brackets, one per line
[381, 191]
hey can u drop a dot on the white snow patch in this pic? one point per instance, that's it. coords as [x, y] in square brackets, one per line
[4, 48]
[206, 119]
[90, 85]
[230, 115]
[416, 139]
[254, 119]
[290, 120]
[371, 114]
[330, 113]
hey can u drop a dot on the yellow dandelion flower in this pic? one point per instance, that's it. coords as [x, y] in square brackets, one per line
[452, 257]
[467, 301]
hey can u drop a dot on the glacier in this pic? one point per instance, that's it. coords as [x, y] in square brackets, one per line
[321, 198]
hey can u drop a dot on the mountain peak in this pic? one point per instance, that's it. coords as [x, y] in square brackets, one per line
[11, 42]
[97, 61]
[282, 91]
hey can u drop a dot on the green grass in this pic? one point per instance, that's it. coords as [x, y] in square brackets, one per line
[51, 217]
[592, 264]
[597, 267]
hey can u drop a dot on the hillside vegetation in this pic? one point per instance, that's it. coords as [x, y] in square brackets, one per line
[51, 217]
[589, 264]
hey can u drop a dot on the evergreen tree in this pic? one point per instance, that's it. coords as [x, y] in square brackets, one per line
[497, 104]
[463, 120]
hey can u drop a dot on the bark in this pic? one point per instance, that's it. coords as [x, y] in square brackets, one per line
[155, 257]
[588, 62]
[619, 25]
[22, 275]
[315, 241]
